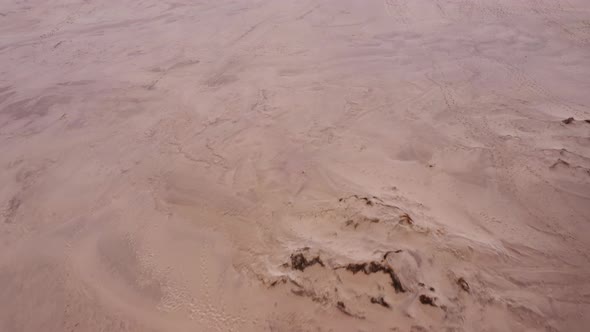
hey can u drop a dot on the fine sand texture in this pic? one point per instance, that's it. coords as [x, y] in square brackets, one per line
[313, 165]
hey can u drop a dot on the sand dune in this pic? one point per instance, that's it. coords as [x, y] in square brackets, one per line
[338, 165]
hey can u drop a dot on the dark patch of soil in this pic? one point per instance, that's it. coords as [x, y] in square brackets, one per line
[374, 267]
[406, 219]
[11, 209]
[463, 284]
[425, 299]
[381, 301]
[568, 120]
[342, 307]
[299, 262]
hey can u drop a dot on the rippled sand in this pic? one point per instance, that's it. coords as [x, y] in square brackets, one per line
[337, 165]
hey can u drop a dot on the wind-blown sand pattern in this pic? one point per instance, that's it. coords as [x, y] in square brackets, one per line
[337, 165]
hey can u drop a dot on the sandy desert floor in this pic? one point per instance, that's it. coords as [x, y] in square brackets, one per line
[317, 165]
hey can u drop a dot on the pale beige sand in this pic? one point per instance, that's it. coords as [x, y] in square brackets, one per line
[337, 165]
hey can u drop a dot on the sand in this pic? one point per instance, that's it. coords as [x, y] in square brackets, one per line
[337, 165]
